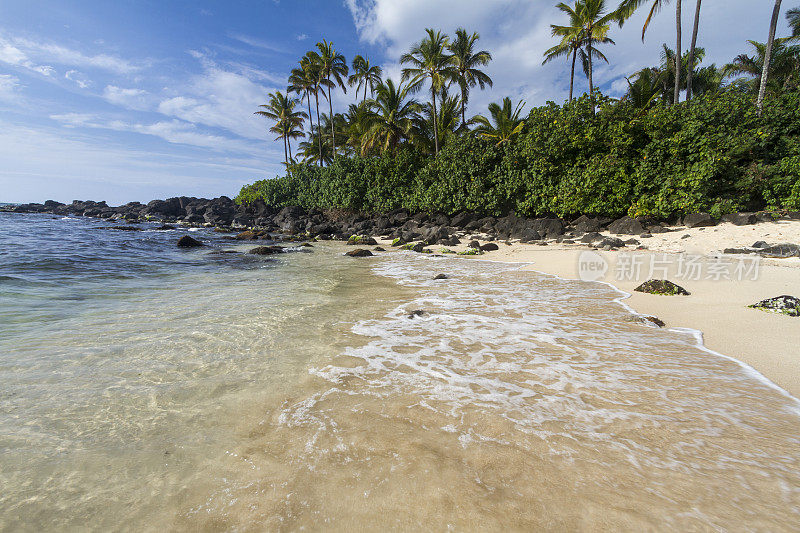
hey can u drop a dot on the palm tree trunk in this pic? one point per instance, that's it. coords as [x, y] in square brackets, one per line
[289, 143]
[435, 124]
[690, 71]
[776, 12]
[319, 126]
[677, 94]
[333, 134]
[463, 105]
[591, 72]
[310, 120]
[285, 156]
[572, 73]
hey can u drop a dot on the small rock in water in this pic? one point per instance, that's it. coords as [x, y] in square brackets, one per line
[188, 242]
[440, 276]
[416, 313]
[759, 244]
[787, 305]
[123, 228]
[654, 320]
[165, 227]
[661, 286]
[266, 250]
[307, 245]
[686, 236]
[359, 252]
[379, 249]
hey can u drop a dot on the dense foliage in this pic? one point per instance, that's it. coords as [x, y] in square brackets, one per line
[716, 155]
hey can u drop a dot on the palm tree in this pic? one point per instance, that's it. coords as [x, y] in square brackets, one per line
[312, 66]
[571, 41]
[776, 12]
[692, 47]
[466, 62]
[288, 122]
[793, 17]
[594, 20]
[448, 122]
[333, 67]
[364, 74]
[507, 123]
[357, 122]
[311, 151]
[627, 8]
[783, 67]
[393, 114]
[303, 81]
[645, 89]
[429, 60]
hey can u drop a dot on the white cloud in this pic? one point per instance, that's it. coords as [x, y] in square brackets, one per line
[129, 98]
[518, 31]
[12, 55]
[9, 87]
[172, 131]
[301, 37]
[77, 165]
[255, 42]
[37, 56]
[79, 78]
[221, 98]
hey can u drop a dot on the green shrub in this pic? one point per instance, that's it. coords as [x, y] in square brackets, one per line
[715, 155]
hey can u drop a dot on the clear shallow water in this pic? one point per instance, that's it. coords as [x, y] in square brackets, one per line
[147, 387]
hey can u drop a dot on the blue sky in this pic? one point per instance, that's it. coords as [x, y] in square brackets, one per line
[138, 100]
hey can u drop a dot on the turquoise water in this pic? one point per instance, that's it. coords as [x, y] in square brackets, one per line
[145, 387]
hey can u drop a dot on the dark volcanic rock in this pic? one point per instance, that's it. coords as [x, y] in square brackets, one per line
[759, 244]
[361, 240]
[653, 320]
[188, 242]
[661, 286]
[626, 226]
[787, 305]
[739, 219]
[122, 228]
[781, 251]
[613, 242]
[379, 249]
[416, 313]
[440, 276]
[266, 250]
[359, 252]
[591, 237]
[489, 247]
[698, 220]
[474, 244]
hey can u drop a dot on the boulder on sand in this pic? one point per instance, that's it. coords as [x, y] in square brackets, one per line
[661, 286]
[787, 305]
[188, 242]
[626, 226]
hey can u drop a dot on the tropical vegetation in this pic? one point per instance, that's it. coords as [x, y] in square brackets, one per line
[733, 144]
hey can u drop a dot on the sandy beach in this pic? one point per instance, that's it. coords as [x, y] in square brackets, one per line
[720, 295]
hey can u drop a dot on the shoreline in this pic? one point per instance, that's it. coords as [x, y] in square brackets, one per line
[716, 310]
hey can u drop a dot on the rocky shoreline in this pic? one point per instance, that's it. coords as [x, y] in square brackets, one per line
[399, 225]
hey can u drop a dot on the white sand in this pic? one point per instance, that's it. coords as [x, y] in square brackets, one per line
[769, 342]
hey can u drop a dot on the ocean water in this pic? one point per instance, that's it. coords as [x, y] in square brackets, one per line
[145, 387]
